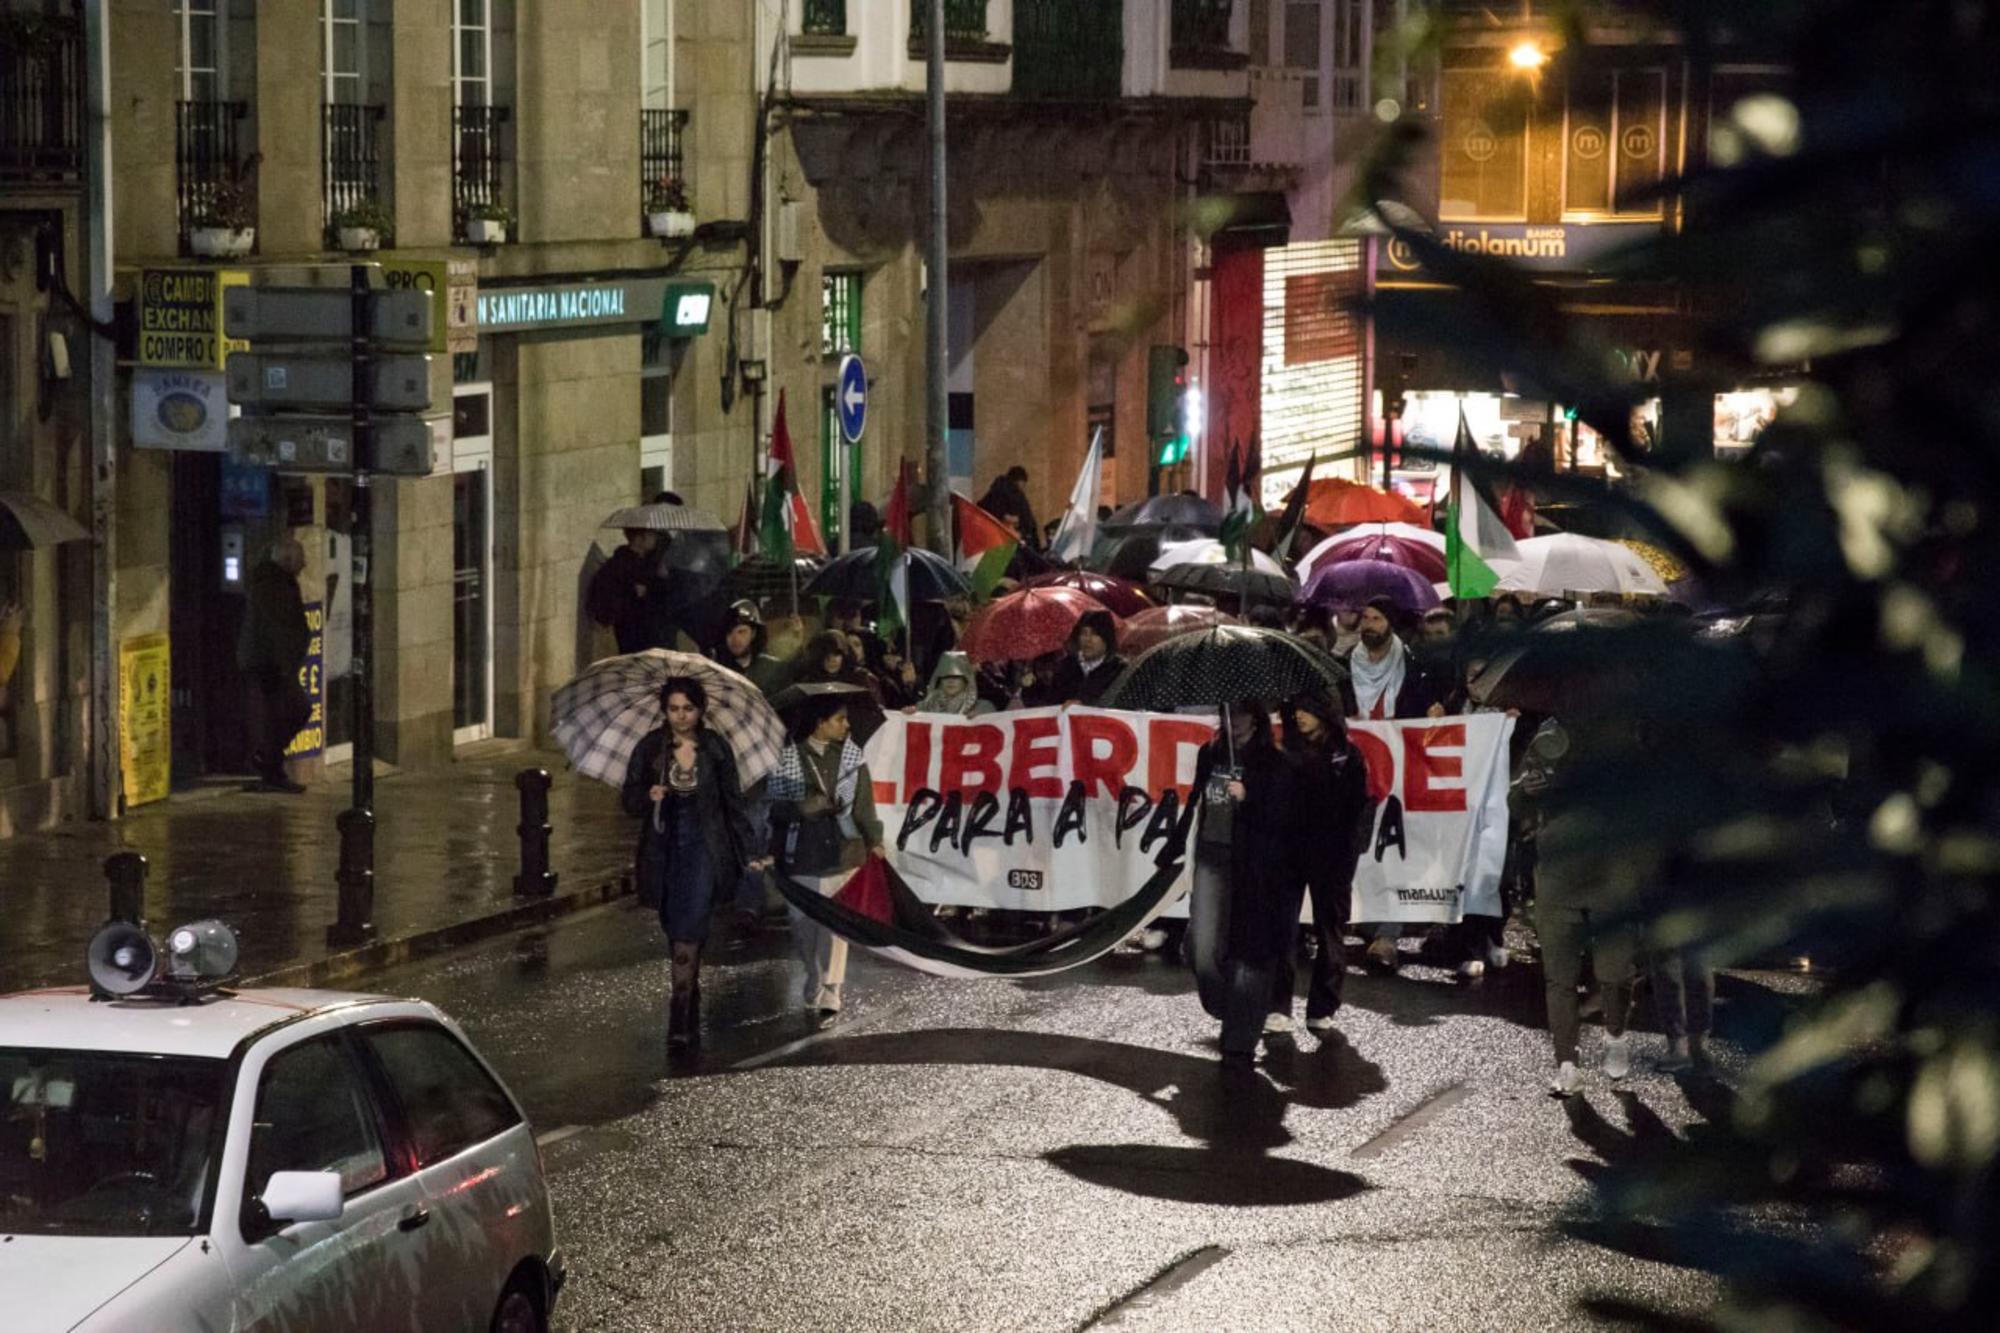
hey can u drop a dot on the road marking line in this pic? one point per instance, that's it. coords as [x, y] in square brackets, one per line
[558, 1135]
[1414, 1119]
[1161, 1284]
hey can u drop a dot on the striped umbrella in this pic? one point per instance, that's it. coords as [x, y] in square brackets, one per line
[602, 715]
[666, 518]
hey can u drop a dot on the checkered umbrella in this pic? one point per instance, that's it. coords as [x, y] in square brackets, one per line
[602, 715]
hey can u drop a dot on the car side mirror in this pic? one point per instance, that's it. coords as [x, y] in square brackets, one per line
[302, 1196]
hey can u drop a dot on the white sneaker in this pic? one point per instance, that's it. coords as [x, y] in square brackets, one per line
[1152, 939]
[1277, 1023]
[1617, 1057]
[1568, 1080]
[1321, 1025]
[1472, 969]
[1497, 957]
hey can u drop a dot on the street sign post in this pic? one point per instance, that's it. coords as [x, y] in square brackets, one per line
[851, 395]
[339, 339]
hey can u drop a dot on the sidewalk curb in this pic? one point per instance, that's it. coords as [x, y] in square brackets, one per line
[351, 963]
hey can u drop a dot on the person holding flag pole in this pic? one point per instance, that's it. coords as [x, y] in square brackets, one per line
[1240, 513]
[786, 526]
[1077, 533]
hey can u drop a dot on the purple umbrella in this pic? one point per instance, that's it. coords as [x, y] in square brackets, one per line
[1352, 584]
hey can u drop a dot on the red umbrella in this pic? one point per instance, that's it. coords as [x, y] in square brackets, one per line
[1168, 622]
[1423, 557]
[1028, 624]
[1121, 597]
[1333, 502]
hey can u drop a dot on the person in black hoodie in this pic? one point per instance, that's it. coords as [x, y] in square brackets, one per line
[1333, 780]
[270, 651]
[1092, 663]
[628, 594]
[1248, 824]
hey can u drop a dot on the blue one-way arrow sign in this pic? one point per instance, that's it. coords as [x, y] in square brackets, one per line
[851, 397]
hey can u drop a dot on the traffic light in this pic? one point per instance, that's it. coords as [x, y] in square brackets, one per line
[1166, 400]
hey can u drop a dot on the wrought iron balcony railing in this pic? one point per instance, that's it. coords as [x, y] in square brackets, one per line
[207, 160]
[1066, 49]
[1200, 35]
[662, 160]
[964, 21]
[825, 18]
[41, 100]
[478, 160]
[351, 157]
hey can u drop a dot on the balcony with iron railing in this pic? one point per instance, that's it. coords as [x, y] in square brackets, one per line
[663, 182]
[479, 164]
[210, 174]
[351, 162]
[41, 101]
[824, 18]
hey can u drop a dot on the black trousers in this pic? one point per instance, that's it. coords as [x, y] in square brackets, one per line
[1333, 904]
[281, 710]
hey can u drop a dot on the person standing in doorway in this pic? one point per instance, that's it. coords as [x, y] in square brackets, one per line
[629, 596]
[270, 652]
[697, 839]
[824, 825]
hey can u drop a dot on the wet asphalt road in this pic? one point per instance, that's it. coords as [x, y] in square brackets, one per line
[1061, 1154]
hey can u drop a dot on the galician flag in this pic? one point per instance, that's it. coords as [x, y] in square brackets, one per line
[1474, 536]
[787, 526]
[892, 560]
[1240, 510]
[985, 545]
[1078, 531]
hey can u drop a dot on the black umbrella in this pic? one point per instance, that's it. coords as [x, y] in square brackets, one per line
[761, 578]
[853, 577]
[1130, 554]
[1225, 665]
[27, 523]
[1230, 584]
[1189, 511]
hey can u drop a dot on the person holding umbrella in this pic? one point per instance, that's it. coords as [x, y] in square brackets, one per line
[1249, 835]
[1333, 781]
[1092, 664]
[823, 825]
[629, 595]
[697, 836]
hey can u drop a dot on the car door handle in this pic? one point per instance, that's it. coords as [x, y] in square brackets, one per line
[413, 1219]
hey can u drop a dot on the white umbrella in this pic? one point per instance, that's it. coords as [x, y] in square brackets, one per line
[666, 518]
[1208, 551]
[1564, 562]
[1360, 530]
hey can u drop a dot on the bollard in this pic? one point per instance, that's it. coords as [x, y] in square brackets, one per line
[127, 873]
[356, 878]
[536, 880]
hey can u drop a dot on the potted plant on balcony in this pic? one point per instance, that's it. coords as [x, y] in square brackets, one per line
[668, 212]
[223, 222]
[363, 227]
[488, 224]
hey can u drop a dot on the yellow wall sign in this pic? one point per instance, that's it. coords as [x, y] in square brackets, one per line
[145, 735]
[180, 317]
[454, 287]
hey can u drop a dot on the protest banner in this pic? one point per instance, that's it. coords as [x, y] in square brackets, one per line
[1046, 810]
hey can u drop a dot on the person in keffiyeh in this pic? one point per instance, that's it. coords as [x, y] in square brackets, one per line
[822, 775]
[697, 839]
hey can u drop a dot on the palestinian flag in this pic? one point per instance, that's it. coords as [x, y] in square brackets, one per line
[1474, 536]
[892, 563]
[1240, 510]
[985, 545]
[787, 526]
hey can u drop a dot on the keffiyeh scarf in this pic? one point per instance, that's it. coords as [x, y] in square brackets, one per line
[789, 782]
[1376, 684]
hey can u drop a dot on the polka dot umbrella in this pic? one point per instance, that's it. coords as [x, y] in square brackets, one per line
[1224, 666]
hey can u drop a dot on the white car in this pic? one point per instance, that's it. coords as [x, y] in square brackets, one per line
[263, 1159]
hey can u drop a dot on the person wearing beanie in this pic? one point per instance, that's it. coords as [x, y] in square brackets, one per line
[1092, 663]
[742, 649]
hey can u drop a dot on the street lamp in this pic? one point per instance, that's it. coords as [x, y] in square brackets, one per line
[1527, 55]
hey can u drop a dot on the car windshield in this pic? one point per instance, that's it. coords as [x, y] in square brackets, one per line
[101, 1143]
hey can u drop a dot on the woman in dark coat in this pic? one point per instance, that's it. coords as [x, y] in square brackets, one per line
[1250, 816]
[696, 840]
[1333, 787]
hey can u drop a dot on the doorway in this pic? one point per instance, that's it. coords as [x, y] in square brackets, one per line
[472, 563]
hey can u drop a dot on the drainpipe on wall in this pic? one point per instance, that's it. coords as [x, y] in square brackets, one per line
[102, 764]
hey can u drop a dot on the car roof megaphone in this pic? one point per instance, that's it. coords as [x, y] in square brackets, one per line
[123, 960]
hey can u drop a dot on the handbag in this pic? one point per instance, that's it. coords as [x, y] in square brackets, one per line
[812, 844]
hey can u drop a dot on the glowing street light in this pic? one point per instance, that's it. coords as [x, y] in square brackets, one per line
[1527, 55]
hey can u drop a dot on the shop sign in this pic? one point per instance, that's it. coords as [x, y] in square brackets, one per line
[311, 739]
[180, 409]
[454, 288]
[581, 304]
[145, 748]
[1560, 248]
[180, 317]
